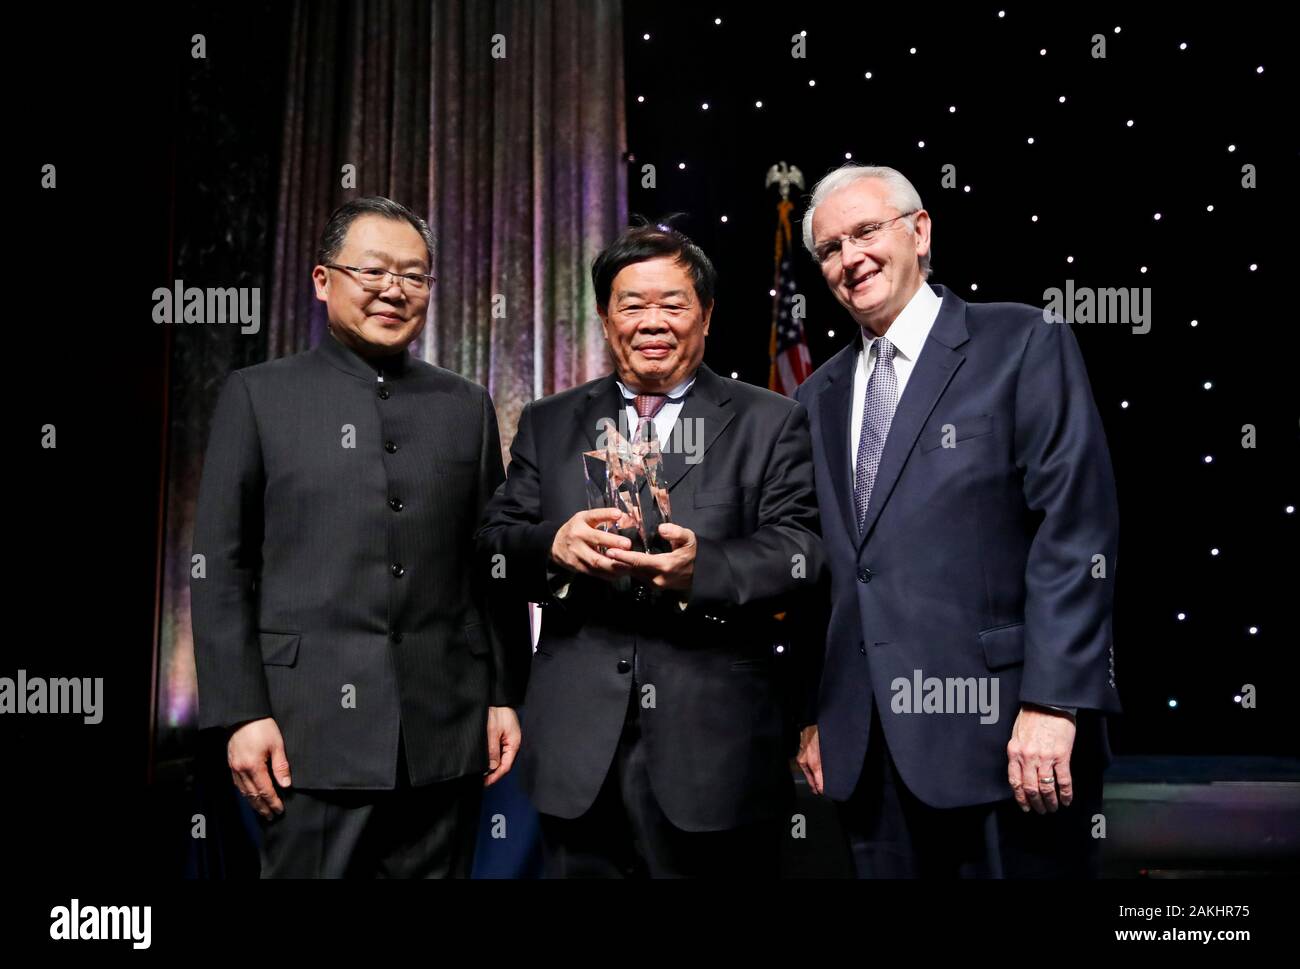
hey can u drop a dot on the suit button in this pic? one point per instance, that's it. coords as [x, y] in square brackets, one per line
[862, 648]
[383, 393]
[395, 636]
[395, 504]
[864, 575]
[624, 666]
[390, 447]
[398, 571]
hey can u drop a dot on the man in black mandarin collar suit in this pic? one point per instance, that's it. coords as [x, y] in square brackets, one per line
[655, 707]
[969, 513]
[339, 632]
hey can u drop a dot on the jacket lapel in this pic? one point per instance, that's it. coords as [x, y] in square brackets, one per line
[705, 414]
[930, 376]
[603, 400]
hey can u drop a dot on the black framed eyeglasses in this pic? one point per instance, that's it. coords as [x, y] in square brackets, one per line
[861, 237]
[375, 278]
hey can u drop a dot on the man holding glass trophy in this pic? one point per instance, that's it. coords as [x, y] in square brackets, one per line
[665, 517]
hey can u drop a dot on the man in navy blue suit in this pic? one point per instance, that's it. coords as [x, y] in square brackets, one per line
[969, 517]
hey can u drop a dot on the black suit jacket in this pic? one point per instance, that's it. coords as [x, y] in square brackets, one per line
[336, 572]
[716, 738]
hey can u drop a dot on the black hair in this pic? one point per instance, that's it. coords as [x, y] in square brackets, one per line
[341, 219]
[645, 240]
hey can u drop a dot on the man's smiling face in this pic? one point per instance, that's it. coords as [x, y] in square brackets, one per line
[383, 322]
[875, 283]
[655, 325]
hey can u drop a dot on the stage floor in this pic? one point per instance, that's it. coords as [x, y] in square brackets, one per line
[1166, 817]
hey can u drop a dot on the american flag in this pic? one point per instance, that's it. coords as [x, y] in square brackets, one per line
[791, 362]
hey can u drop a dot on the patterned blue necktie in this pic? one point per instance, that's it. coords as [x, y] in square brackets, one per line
[877, 413]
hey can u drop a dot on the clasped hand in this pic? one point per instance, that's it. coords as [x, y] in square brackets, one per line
[581, 547]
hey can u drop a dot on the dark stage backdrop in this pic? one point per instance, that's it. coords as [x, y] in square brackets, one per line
[1109, 145]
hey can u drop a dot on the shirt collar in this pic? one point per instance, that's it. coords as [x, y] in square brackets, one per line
[674, 394]
[909, 331]
[344, 358]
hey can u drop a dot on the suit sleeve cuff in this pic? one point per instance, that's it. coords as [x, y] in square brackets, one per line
[558, 581]
[1072, 711]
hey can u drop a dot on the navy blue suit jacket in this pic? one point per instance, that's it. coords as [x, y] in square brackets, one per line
[977, 559]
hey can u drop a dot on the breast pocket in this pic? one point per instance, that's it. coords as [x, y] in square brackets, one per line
[951, 433]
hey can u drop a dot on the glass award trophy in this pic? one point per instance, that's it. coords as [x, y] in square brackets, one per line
[628, 475]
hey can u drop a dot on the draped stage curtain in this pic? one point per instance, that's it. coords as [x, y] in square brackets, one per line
[516, 162]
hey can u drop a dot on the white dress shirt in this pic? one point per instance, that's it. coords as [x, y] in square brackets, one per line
[908, 334]
[667, 416]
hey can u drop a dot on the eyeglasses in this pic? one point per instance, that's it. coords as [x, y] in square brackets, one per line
[374, 279]
[861, 237]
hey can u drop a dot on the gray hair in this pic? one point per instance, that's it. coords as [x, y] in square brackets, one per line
[341, 219]
[902, 196]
